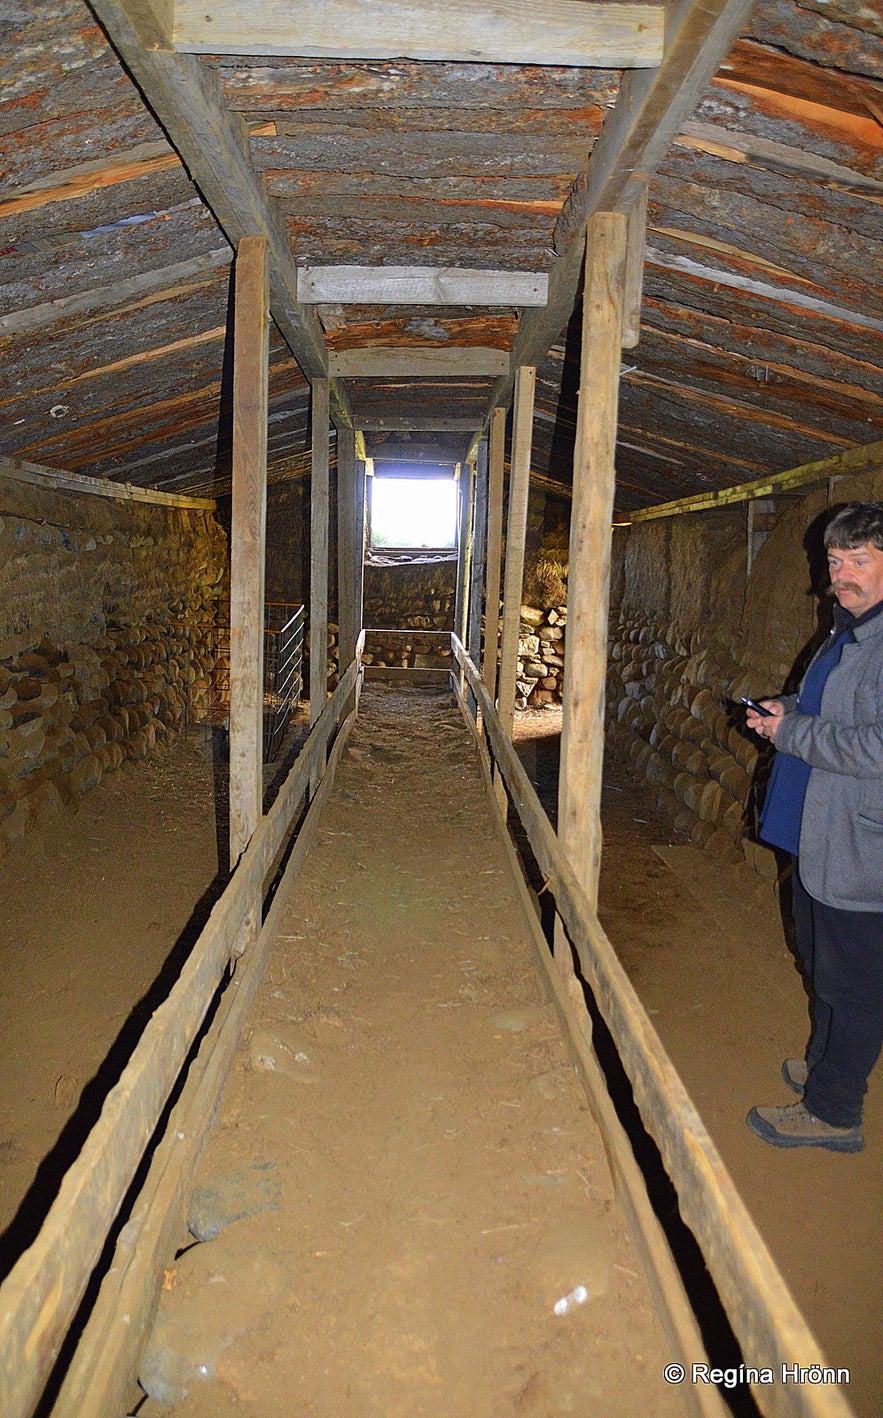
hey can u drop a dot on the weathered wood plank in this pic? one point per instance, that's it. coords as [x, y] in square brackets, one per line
[319, 515]
[847, 464]
[516, 529]
[247, 537]
[55, 479]
[415, 360]
[419, 285]
[410, 155]
[514, 32]
[588, 581]
[496, 475]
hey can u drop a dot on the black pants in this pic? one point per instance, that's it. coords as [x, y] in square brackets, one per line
[842, 953]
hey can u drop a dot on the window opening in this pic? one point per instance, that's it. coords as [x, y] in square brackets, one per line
[414, 514]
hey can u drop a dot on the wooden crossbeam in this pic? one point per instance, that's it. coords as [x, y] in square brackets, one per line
[59, 480]
[515, 32]
[419, 360]
[419, 285]
[213, 143]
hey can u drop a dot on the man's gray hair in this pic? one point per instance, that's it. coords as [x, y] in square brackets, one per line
[855, 525]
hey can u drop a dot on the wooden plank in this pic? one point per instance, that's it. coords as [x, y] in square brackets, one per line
[588, 581]
[319, 514]
[213, 143]
[565, 992]
[419, 285]
[39, 1297]
[66, 308]
[368, 362]
[465, 491]
[403, 674]
[649, 111]
[104, 1366]
[247, 539]
[850, 463]
[496, 473]
[770, 1328]
[479, 543]
[516, 530]
[511, 32]
[56, 479]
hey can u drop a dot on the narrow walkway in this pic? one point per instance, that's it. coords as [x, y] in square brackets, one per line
[415, 1173]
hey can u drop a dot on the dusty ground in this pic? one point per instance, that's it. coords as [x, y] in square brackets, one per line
[88, 923]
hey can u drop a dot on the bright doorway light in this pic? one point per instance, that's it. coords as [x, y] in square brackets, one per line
[413, 512]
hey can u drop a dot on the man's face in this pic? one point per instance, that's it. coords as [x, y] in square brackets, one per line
[857, 576]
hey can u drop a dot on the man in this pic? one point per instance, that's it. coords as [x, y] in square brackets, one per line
[824, 805]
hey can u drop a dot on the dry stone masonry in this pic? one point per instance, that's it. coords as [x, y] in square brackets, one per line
[107, 639]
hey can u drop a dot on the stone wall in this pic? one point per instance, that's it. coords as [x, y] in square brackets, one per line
[107, 638]
[691, 631]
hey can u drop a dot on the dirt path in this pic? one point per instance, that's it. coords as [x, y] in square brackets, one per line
[426, 1177]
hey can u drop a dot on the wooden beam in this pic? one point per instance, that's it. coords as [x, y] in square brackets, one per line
[564, 32]
[369, 363]
[634, 269]
[465, 487]
[588, 581]
[419, 285]
[409, 423]
[247, 538]
[56, 479]
[650, 109]
[349, 546]
[851, 463]
[496, 472]
[213, 144]
[319, 513]
[479, 542]
[516, 530]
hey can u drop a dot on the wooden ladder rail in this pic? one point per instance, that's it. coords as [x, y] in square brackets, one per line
[765, 1319]
[41, 1294]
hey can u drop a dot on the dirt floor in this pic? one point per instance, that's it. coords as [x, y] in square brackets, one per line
[490, 1178]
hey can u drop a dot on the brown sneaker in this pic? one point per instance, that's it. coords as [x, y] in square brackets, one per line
[795, 1126]
[795, 1074]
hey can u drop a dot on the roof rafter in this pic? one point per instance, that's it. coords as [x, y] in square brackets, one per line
[213, 144]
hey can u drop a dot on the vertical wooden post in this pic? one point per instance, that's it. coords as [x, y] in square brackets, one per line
[516, 530]
[588, 588]
[319, 557]
[497, 452]
[347, 549]
[464, 477]
[251, 328]
[636, 240]
[476, 578]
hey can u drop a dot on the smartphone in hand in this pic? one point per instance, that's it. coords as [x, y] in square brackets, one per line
[753, 704]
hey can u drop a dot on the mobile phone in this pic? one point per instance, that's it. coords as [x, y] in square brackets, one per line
[753, 704]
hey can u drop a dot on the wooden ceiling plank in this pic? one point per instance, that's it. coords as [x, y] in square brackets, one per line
[419, 285]
[214, 146]
[402, 361]
[651, 108]
[512, 32]
[58, 479]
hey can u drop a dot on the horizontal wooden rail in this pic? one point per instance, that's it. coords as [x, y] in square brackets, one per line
[769, 1326]
[40, 1296]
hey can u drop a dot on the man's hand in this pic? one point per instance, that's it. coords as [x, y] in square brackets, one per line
[767, 725]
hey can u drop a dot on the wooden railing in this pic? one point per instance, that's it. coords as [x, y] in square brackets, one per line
[771, 1330]
[40, 1297]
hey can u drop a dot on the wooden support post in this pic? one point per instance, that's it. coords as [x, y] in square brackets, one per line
[251, 328]
[464, 477]
[319, 501]
[516, 529]
[497, 451]
[636, 241]
[479, 533]
[594, 477]
[347, 547]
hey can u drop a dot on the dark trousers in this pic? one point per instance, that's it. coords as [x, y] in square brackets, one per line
[842, 954]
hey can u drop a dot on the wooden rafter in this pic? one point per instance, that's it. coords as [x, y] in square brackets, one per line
[649, 111]
[213, 145]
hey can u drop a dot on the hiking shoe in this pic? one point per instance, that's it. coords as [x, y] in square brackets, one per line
[795, 1126]
[795, 1074]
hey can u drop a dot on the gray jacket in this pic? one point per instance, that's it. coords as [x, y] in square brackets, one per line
[841, 834]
